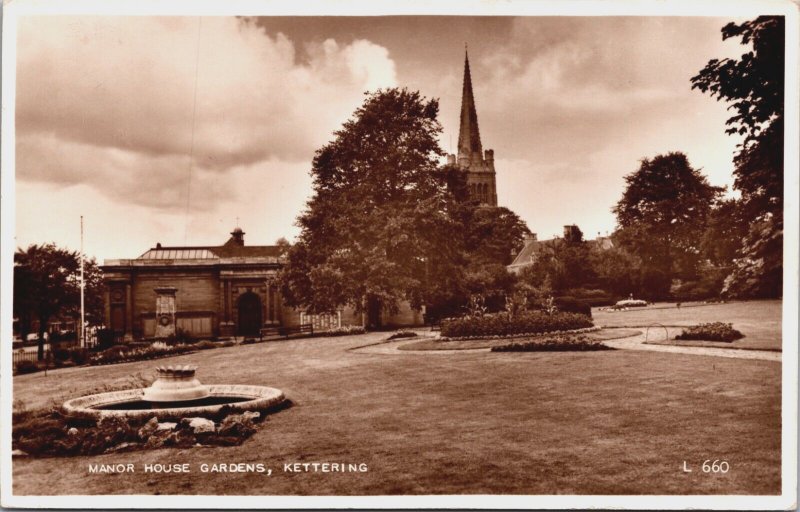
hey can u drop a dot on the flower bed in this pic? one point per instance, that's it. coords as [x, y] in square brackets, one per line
[345, 330]
[714, 331]
[399, 335]
[502, 324]
[49, 433]
[558, 343]
[629, 303]
[124, 354]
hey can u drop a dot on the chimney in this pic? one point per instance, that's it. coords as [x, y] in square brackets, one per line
[489, 155]
[530, 238]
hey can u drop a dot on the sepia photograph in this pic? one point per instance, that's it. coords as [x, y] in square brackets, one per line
[481, 256]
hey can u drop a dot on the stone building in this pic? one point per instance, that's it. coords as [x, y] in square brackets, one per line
[478, 164]
[208, 291]
[213, 291]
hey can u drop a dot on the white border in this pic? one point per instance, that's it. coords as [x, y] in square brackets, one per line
[741, 8]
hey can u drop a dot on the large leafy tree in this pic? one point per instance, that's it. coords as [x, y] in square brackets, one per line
[379, 227]
[661, 218]
[46, 285]
[754, 86]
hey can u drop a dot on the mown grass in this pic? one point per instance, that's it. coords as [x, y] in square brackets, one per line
[759, 321]
[612, 422]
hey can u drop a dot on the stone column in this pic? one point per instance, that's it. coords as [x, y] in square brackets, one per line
[107, 306]
[128, 314]
[267, 302]
[226, 327]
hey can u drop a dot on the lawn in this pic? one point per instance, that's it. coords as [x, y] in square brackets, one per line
[611, 422]
[759, 321]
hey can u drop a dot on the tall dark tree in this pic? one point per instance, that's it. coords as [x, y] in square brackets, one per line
[661, 218]
[46, 285]
[493, 235]
[379, 228]
[754, 86]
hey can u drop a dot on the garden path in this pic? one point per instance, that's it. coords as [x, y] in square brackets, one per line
[638, 343]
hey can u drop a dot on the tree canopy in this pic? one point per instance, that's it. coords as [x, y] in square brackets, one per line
[662, 215]
[46, 285]
[387, 224]
[379, 226]
[754, 86]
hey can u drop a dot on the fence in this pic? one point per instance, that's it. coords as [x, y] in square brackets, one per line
[32, 355]
[322, 322]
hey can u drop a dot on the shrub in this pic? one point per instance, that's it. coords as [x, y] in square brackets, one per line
[105, 338]
[592, 297]
[499, 324]
[249, 341]
[61, 354]
[26, 366]
[714, 331]
[79, 356]
[559, 343]
[180, 337]
[402, 334]
[228, 343]
[344, 331]
[123, 353]
[573, 305]
[205, 345]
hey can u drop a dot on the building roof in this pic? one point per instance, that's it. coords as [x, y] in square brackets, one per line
[533, 248]
[231, 252]
[213, 252]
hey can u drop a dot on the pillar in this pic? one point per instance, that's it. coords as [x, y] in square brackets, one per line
[128, 314]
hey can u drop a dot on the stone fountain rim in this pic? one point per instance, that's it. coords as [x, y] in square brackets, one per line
[261, 397]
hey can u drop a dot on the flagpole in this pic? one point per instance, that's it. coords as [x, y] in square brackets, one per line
[83, 320]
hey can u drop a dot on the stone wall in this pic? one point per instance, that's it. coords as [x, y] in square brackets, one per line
[197, 291]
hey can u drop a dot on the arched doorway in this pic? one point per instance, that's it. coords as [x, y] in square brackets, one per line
[249, 314]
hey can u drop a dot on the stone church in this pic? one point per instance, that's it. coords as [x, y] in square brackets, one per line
[478, 164]
[231, 289]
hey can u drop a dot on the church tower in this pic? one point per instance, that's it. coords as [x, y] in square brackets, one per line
[478, 164]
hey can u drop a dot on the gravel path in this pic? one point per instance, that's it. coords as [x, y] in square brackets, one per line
[637, 343]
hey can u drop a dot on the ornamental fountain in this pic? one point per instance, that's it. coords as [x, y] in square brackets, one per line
[176, 393]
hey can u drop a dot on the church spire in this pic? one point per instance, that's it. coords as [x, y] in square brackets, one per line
[469, 138]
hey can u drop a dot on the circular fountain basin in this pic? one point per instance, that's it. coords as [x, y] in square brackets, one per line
[132, 403]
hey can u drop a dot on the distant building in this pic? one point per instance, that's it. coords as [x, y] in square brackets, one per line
[471, 158]
[211, 291]
[534, 247]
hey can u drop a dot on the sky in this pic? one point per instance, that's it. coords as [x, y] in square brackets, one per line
[175, 130]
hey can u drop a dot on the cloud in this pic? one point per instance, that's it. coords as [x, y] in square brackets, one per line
[111, 101]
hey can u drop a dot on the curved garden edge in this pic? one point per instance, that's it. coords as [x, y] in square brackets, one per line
[671, 342]
[487, 343]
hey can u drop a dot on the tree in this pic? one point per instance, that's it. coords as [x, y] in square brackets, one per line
[661, 218]
[46, 285]
[725, 230]
[493, 235]
[379, 227]
[754, 84]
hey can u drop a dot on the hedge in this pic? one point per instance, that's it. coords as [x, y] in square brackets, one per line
[529, 322]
